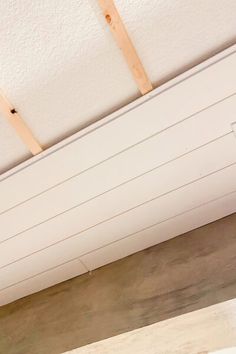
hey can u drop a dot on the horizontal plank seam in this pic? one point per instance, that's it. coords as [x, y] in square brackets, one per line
[116, 241]
[120, 185]
[123, 151]
[113, 217]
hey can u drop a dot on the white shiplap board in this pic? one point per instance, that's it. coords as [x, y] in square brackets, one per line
[87, 220]
[182, 97]
[158, 168]
[160, 149]
[156, 211]
[133, 243]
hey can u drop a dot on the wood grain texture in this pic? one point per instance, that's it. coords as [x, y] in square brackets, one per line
[125, 44]
[19, 125]
[178, 276]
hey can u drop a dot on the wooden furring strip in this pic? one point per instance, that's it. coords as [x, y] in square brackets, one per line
[19, 125]
[121, 36]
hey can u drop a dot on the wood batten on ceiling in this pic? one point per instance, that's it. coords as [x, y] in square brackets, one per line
[122, 38]
[19, 125]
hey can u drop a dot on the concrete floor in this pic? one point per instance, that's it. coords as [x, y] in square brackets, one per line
[184, 274]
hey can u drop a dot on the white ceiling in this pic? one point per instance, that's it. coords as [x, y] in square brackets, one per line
[62, 70]
[161, 166]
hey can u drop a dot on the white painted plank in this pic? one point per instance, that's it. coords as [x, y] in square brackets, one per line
[157, 211]
[167, 229]
[161, 232]
[150, 154]
[155, 184]
[174, 104]
[42, 281]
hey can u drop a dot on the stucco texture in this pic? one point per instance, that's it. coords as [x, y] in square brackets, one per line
[62, 70]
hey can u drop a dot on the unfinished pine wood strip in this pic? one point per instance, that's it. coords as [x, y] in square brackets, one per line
[19, 125]
[122, 38]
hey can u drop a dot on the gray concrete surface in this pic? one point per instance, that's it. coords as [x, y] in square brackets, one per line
[184, 274]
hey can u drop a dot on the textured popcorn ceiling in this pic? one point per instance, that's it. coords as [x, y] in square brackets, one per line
[61, 69]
